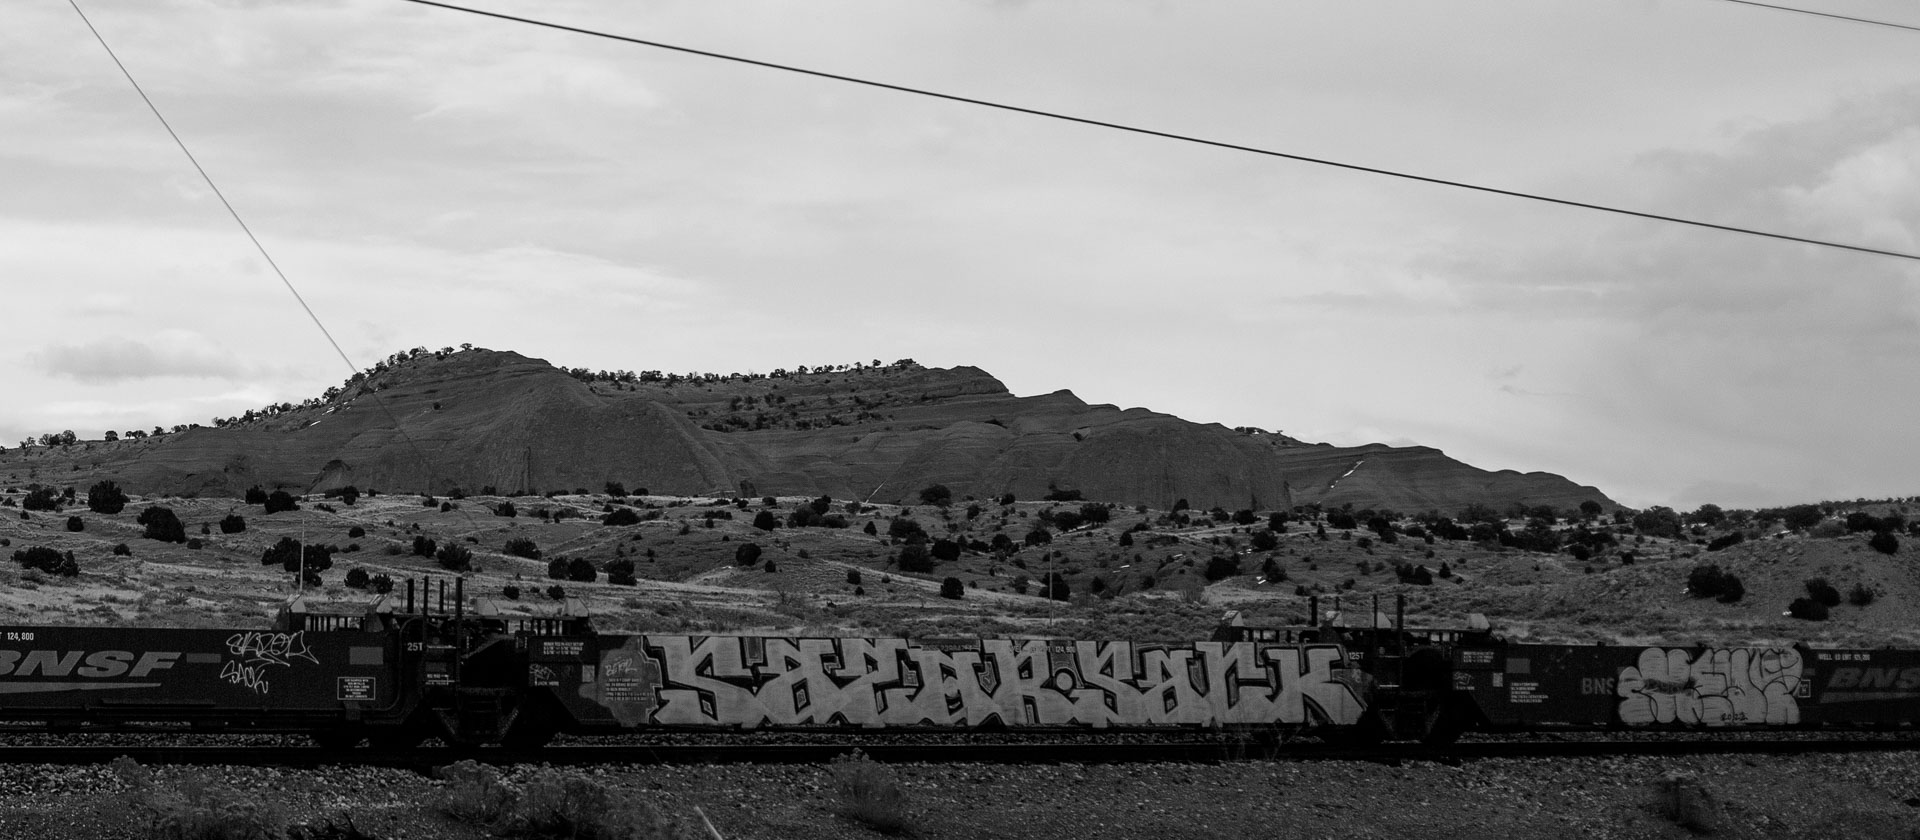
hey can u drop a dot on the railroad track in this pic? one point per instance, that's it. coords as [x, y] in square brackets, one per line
[425, 759]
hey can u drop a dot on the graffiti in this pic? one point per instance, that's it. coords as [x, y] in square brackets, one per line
[752, 682]
[1715, 687]
[259, 651]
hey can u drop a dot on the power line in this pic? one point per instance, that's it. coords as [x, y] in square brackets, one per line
[1826, 15]
[1174, 136]
[432, 467]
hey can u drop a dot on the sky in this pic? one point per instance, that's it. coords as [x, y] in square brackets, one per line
[428, 178]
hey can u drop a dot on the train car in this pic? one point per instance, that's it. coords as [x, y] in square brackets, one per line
[1434, 685]
[600, 684]
[1658, 687]
[282, 679]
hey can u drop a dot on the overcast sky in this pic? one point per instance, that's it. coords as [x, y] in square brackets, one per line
[428, 178]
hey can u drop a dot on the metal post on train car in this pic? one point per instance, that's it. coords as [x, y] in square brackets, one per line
[1313, 611]
[459, 626]
[409, 596]
[1400, 624]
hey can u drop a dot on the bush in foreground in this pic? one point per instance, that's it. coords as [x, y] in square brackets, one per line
[866, 792]
[193, 809]
[550, 802]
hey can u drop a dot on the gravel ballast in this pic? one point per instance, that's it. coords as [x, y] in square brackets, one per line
[1875, 795]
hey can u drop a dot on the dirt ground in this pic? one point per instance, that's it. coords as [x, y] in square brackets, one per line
[1866, 796]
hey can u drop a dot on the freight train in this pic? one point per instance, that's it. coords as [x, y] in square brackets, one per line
[425, 666]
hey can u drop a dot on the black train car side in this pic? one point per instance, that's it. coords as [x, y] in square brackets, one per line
[1535, 687]
[1435, 684]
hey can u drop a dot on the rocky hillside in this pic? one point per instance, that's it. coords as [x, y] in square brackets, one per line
[477, 419]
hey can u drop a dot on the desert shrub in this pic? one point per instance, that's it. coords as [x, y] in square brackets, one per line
[256, 496]
[510, 592]
[746, 554]
[766, 521]
[616, 489]
[1342, 520]
[522, 547]
[193, 809]
[196, 544]
[866, 792]
[1038, 536]
[381, 583]
[549, 803]
[1807, 609]
[581, 570]
[74, 523]
[454, 558]
[1054, 586]
[620, 516]
[1221, 568]
[121, 550]
[936, 494]
[915, 557]
[1710, 581]
[620, 572]
[43, 498]
[280, 500]
[446, 507]
[1860, 595]
[1820, 590]
[769, 567]
[556, 592]
[1685, 799]
[953, 588]
[106, 497]
[233, 524]
[1884, 542]
[423, 547]
[506, 509]
[357, 578]
[356, 532]
[557, 568]
[475, 794]
[853, 576]
[47, 560]
[285, 553]
[161, 524]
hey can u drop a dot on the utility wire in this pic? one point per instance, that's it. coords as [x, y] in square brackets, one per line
[432, 467]
[1826, 15]
[1173, 136]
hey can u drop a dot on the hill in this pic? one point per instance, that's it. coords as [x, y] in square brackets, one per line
[473, 420]
[1139, 573]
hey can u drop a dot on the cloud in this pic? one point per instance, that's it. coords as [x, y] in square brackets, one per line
[170, 353]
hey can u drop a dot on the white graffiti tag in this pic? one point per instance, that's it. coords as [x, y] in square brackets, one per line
[259, 651]
[1718, 687]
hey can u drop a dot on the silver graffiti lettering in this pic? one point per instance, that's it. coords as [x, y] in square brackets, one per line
[259, 651]
[1718, 687]
[750, 683]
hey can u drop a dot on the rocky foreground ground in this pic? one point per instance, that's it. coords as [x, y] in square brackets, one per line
[1793, 796]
